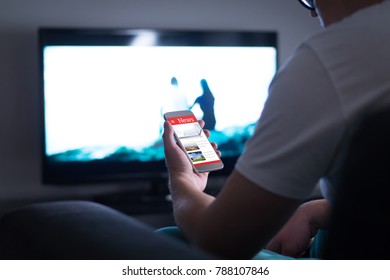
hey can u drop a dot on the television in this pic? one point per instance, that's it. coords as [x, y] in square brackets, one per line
[104, 90]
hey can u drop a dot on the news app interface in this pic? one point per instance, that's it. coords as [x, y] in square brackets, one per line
[194, 140]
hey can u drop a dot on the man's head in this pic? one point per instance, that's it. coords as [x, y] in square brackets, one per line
[174, 81]
[331, 11]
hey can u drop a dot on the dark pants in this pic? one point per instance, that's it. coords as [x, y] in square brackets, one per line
[76, 230]
[84, 230]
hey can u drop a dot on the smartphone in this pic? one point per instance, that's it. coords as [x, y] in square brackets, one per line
[193, 141]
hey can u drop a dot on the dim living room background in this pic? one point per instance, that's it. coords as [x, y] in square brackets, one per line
[20, 147]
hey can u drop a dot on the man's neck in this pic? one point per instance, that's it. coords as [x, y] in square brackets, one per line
[333, 11]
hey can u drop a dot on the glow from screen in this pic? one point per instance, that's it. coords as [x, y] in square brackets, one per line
[114, 96]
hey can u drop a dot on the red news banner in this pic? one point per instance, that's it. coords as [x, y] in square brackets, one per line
[182, 120]
[194, 140]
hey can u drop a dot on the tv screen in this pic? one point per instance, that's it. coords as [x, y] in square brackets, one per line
[104, 93]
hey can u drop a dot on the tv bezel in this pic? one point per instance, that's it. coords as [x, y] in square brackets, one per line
[71, 173]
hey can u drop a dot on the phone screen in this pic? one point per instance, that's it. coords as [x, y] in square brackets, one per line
[195, 143]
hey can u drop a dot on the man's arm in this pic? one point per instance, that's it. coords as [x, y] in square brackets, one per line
[235, 224]
[238, 223]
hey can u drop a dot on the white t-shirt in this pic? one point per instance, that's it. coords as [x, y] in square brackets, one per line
[316, 98]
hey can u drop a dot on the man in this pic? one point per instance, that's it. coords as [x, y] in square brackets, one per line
[330, 82]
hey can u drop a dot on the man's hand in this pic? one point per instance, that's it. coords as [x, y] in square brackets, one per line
[179, 166]
[296, 236]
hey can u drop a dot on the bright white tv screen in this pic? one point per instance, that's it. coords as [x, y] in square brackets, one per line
[106, 102]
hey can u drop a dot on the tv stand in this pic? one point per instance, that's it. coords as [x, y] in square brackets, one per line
[137, 201]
